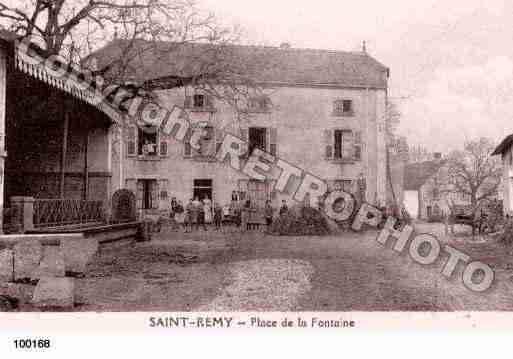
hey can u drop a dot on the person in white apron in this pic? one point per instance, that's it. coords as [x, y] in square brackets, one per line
[207, 206]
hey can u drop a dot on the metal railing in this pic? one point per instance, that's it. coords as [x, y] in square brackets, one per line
[63, 212]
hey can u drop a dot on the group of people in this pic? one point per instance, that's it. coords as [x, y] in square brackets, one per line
[199, 213]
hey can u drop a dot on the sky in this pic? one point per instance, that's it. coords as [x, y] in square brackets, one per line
[451, 61]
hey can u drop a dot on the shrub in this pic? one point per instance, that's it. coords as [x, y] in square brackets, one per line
[300, 221]
[506, 237]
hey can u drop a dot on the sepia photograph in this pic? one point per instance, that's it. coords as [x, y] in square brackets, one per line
[222, 156]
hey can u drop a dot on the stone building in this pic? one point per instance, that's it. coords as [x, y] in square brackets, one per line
[323, 111]
[505, 150]
[427, 191]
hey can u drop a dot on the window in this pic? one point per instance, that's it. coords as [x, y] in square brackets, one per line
[343, 108]
[199, 100]
[147, 141]
[207, 143]
[343, 144]
[257, 139]
[343, 185]
[147, 194]
[202, 188]
[263, 138]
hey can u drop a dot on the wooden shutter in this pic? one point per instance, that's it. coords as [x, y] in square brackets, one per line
[347, 145]
[328, 142]
[219, 138]
[163, 190]
[131, 141]
[163, 147]
[244, 134]
[209, 102]
[187, 150]
[154, 194]
[358, 145]
[139, 194]
[187, 102]
[273, 141]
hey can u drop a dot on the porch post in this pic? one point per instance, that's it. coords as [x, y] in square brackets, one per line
[64, 148]
[3, 152]
[86, 170]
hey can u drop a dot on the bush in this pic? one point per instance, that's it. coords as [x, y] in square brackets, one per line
[300, 221]
[506, 237]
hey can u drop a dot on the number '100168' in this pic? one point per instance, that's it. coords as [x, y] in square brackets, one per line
[32, 343]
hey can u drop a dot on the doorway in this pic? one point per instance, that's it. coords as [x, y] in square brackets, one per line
[202, 188]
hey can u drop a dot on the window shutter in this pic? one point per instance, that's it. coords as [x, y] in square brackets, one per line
[244, 134]
[163, 147]
[154, 195]
[328, 141]
[139, 194]
[187, 150]
[132, 141]
[219, 138]
[273, 141]
[163, 192]
[187, 102]
[358, 145]
[209, 102]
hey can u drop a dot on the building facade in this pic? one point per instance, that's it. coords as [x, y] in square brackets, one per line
[322, 111]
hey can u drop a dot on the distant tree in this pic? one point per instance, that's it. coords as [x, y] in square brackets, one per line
[474, 173]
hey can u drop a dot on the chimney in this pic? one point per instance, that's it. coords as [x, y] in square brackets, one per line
[285, 46]
[364, 47]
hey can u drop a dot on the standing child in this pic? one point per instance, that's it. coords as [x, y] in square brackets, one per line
[201, 216]
[218, 216]
[189, 213]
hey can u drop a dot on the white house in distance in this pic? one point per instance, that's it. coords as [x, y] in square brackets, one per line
[323, 111]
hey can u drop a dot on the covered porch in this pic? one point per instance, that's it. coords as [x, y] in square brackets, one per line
[55, 148]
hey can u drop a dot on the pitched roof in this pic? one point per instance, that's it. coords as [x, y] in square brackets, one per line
[272, 65]
[504, 146]
[416, 174]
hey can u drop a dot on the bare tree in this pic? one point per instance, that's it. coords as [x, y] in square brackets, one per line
[474, 173]
[75, 29]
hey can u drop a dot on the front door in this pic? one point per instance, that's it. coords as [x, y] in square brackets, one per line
[202, 188]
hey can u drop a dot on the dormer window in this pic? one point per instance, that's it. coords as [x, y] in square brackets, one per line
[343, 107]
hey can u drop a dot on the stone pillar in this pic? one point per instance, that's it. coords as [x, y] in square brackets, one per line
[23, 213]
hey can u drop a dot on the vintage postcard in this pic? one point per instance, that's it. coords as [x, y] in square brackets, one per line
[182, 165]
